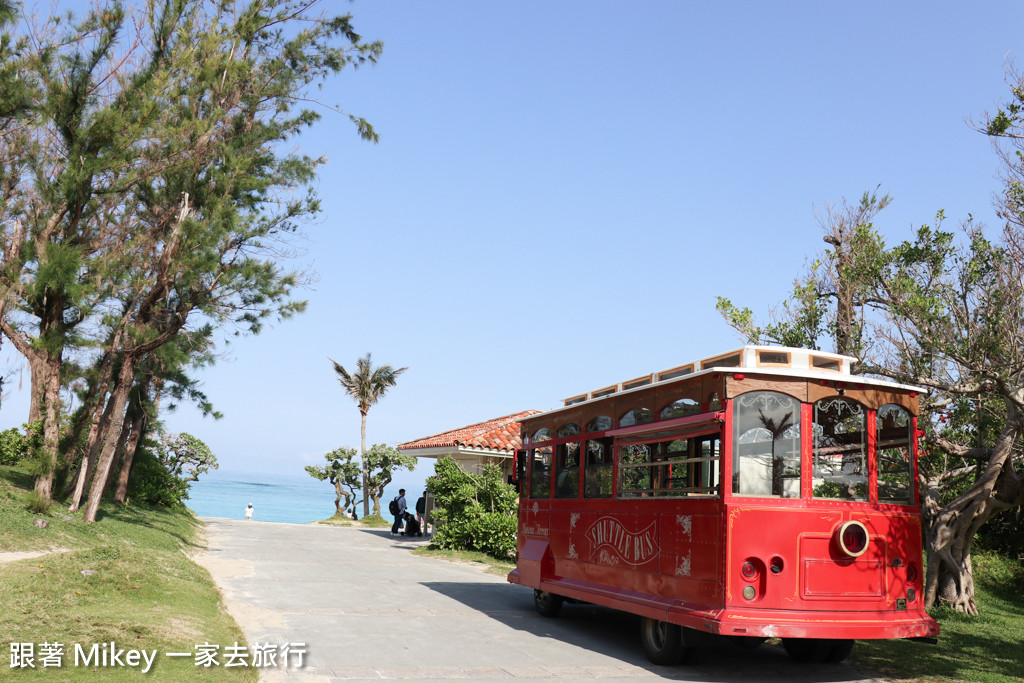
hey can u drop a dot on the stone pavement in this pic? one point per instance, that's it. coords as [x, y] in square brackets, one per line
[368, 609]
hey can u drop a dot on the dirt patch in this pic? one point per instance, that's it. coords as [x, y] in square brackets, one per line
[28, 554]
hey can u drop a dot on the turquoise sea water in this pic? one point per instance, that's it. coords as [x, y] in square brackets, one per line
[274, 498]
[279, 498]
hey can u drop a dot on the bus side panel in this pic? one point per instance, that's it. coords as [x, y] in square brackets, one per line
[534, 558]
[670, 556]
[692, 555]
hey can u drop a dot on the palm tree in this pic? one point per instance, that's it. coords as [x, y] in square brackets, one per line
[366, 386]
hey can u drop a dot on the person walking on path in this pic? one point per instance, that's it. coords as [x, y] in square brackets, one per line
[248, 513]
[399, 512]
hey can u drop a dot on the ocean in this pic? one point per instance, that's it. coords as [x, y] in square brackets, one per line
[297, 499]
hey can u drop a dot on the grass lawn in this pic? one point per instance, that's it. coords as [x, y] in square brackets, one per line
[143, 592]
[486, 562]
[370, 521]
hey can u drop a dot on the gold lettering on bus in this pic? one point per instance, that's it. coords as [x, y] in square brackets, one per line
[633, 547]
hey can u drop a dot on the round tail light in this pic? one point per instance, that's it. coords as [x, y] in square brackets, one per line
[853, 538]
[911, 573]
[749, 571]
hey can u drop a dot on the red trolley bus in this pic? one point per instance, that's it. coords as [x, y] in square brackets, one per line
[761, 493]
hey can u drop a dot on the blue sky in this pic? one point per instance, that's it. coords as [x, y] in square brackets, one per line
[562, 189]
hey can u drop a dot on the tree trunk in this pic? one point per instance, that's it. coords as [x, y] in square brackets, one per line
[950, 530]
[362, 455]
[89, 415]
[103, 465]
[138, 426]
[92, 447]
[35, 392]
[120, 447]
[341, 493]
[48, 367]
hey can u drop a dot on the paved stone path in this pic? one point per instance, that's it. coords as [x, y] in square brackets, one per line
[368, 609]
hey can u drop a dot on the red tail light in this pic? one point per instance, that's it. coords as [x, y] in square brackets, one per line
[853, 538]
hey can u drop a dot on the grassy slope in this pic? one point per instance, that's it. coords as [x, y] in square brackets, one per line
[145, 592]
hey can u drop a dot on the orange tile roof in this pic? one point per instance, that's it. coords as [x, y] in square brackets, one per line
[501, 433]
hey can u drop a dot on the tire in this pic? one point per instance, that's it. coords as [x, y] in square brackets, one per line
[547, 604]
[806, 650]
[663, 642]
[839, 651]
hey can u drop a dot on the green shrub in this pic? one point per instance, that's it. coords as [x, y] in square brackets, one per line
[13, 446]
[151, 484]
[474, 512]
[37, 503]
[494, 533]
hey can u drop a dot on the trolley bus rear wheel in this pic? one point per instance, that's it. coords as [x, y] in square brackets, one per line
[839, 651]
[807, 649]
[663, 642]
[547, 604]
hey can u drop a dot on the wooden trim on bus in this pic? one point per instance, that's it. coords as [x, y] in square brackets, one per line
[867, 396]
[797, 388]
[665, 425]
[709, 363]
[772, 364]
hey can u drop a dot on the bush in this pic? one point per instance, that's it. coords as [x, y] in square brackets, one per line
[13, 446]
[474, 512]
[37, 503]
[494, 533]
[151, 484]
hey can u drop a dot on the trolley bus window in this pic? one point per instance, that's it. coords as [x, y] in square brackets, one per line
[706, 472]
[894, 442]
[568, 429]
[766, 438]
[540, 472]
[840, 450]
[634, 470]
[597, 472]
[567, 481]
[677, 467]
[636, 416]
[680, 408]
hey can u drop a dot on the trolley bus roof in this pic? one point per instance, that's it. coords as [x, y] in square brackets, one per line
[778, 361]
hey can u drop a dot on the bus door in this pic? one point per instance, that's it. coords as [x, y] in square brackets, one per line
[536, 522]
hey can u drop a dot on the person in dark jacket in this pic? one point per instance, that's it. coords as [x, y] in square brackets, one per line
[401, 512]
[421, 512]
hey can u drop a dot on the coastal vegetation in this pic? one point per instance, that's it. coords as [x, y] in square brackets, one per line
[149, 188]
[127, 578]
[343, 474]
[473, 511]
[944, 310]
[366, 385]
[381, 462]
